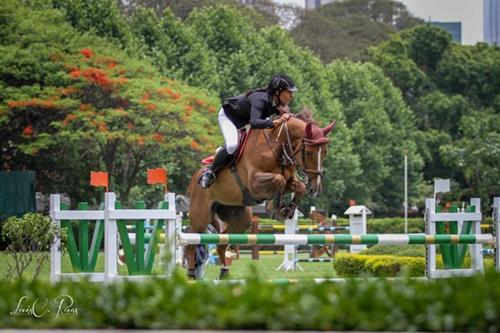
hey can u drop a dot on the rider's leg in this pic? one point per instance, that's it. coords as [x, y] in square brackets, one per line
[223, 155]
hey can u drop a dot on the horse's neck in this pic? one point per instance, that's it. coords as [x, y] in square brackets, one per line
[293, 132]
[296, 128]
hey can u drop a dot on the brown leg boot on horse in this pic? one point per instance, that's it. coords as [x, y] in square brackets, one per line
[208, 177]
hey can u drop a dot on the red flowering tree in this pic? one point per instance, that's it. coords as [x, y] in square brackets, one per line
[95, 108]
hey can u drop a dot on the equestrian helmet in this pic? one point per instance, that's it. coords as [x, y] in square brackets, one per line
[280, 82]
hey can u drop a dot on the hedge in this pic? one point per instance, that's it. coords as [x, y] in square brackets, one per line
[378, 265]
[458, 304]
[397, 250]
[351, 265]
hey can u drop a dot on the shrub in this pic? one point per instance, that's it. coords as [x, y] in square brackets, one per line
[397, 250]
[455, 304]
[29, 241]
[378, 265]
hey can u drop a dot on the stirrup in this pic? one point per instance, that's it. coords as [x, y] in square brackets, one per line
[206, 179]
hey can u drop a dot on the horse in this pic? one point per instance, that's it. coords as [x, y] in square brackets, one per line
[267, 169]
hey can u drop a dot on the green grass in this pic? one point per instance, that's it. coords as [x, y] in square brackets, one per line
[266, 269]
[240, 269]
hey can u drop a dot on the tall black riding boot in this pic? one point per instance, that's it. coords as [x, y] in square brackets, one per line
[208, 176]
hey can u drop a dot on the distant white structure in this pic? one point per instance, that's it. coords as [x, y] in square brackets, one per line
[357, 224]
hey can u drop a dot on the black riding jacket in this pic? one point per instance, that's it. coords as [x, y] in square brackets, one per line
[254, 108]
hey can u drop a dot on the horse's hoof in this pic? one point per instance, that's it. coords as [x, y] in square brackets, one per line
[285, 213]
[224, 273]
[190, 274]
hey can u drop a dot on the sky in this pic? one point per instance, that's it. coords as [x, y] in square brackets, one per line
[469, 12]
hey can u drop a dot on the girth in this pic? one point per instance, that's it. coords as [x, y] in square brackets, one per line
[248, 199]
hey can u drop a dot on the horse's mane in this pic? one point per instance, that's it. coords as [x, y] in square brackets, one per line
[306, 116]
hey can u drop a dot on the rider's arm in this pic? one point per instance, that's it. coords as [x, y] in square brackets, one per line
[256, 120]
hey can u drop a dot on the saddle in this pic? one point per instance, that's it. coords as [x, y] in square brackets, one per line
[243, 135]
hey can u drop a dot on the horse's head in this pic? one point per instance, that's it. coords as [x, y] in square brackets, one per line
[312, 154]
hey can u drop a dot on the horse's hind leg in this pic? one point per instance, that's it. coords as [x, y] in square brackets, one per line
[238, 219]
[200, 216]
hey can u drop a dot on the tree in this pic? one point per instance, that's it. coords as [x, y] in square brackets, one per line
[476, 154]
[427, 45]
[91, 107]
[262, 13]
[343, 29]
[453, 91]
[382, 131]
[174, 49]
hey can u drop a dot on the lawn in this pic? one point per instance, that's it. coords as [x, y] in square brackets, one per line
[241, 268]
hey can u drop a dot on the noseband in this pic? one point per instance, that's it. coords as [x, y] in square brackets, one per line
[304, 170]
[288, 158]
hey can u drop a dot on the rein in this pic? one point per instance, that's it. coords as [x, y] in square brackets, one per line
[287, 157]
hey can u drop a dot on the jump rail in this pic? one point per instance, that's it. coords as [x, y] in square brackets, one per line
[385, 239]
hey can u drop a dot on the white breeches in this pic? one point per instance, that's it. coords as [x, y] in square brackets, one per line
[229, 131]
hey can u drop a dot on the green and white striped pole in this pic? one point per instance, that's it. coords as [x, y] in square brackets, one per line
[318, 239]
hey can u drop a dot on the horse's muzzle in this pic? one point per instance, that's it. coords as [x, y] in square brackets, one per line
[314, 187]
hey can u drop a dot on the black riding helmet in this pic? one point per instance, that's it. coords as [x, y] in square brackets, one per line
[280, 82]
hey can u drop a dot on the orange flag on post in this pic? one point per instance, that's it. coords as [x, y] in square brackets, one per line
[158, 176]
[98, 179]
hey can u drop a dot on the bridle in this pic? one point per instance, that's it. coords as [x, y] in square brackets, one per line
[303, 170]
[288, 156]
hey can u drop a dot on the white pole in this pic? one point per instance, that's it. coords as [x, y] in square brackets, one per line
[406, 194]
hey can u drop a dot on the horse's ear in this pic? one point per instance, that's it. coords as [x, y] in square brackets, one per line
[328, 128]
[309, 131]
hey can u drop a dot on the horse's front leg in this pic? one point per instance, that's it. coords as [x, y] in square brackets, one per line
[266, 184]
[298, 189]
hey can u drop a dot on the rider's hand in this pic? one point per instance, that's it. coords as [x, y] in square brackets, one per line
[278, 122]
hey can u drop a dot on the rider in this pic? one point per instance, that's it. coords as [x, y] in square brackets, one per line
[254, 108]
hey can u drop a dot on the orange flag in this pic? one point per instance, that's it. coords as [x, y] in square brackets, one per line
[98, 179]
[157, 176]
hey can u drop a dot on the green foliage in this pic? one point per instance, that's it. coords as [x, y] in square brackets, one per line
[427, 45]
[343, 29]
[173, 49]
[378, 265]
[29, 240]
[457, 304]
[262, 13]
[453, 92]
[87, 99]
[100, 17]
[382, 132]
[397, 250]
[477, 150]
[394, 225]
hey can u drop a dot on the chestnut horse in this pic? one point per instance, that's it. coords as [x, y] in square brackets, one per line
[266, 170]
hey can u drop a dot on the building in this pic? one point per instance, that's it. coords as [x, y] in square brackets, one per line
[491, 21]
[454, 28]
[312, 4]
